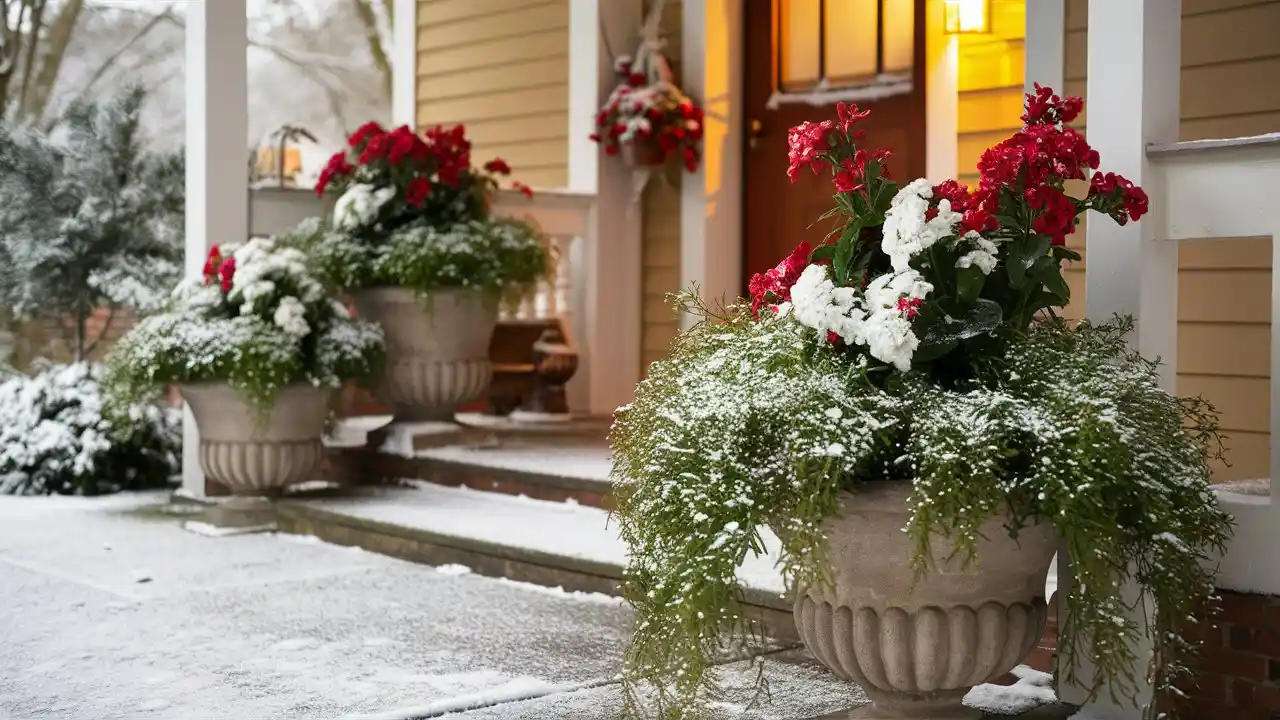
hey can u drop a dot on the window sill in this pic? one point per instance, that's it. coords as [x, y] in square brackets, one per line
[885, 86]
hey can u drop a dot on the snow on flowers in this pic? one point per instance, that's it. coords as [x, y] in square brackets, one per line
[913, 274]
[257, 318]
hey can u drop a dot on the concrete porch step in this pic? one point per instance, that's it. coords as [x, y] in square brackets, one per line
[556, 544]
[569, 464]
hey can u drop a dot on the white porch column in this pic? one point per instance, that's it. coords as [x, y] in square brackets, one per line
[217, 183]
[608, 263]
[942, 96]
[711, 199]
[404, 64]
[1134, 69]
[1046, 45]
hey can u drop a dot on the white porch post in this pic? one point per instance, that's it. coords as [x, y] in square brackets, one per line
[1134, 69]
[217, 182]
[609, 262]
[1046, 45]
[404, 64]
[711, 199]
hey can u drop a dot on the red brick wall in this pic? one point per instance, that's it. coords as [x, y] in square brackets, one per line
[1239, 675]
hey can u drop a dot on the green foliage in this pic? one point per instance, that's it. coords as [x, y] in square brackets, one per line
[498, 256]
[89, 217]
[259, 323]
[751, 424]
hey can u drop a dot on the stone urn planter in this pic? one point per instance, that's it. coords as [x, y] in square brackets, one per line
[437, 352]
[252, 457]
[917, 646]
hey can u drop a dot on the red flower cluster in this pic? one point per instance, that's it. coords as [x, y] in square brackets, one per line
[1036, 161]
[411, 162]
[809, 146]
[774, 286]
[655, 116]
[1043, 107]
[219, 269]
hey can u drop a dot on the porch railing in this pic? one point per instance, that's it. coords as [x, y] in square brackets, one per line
[1225, 189]
[566, 217]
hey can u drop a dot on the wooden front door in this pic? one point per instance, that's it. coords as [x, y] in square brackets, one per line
[867, 48]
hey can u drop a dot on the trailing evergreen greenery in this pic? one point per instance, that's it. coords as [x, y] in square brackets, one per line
[752, 423]
[498, 256]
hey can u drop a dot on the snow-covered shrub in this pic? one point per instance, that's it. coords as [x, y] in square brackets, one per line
[55, 437]
[89, 218]
[259, 320]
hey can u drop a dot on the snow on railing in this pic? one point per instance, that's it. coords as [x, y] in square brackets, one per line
[1211, 189]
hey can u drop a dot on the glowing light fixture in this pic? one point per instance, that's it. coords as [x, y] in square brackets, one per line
[966, 17]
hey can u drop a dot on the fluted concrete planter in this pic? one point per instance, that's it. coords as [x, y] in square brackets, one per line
[437, 354]
[252, 457]
[917, 646]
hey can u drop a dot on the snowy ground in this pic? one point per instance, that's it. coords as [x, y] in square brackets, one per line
[111, 610]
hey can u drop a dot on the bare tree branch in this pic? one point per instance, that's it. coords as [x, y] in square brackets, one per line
[102, 69]
[60, 33]
[373, 36]
[29, 63]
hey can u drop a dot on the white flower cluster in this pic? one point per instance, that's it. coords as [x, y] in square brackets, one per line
[358, 207]
[982, 256]
[879, 320]
[265, 271]
[907, 232]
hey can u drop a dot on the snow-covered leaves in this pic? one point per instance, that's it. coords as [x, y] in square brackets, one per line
[752, 423]
[497, 255]
[273, 325]
[54, 437]
[88, 217]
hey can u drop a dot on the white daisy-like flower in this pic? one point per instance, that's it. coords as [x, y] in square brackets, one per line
[291, 316]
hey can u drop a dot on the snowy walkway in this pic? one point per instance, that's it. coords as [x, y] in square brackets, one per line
[111, 610]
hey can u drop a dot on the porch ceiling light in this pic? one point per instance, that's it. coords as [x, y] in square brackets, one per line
[966, 17]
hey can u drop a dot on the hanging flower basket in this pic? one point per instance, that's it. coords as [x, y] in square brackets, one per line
[642, 155]
[648, 120]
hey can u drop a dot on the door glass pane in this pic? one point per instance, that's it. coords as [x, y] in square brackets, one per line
[851, 39]
[799, 39]
[899, 35]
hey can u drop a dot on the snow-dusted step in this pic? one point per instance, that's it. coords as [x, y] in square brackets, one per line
[546, 467]
[549, 543]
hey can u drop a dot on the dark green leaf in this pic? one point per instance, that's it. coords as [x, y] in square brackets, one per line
[969, 282]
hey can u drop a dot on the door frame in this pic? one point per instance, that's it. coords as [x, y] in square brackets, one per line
[713, 200]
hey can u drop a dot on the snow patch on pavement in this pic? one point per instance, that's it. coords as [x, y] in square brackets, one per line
[1033, 689]
[516, 689]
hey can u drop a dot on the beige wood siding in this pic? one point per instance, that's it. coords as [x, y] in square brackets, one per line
[502, 68]
[661, 230]
[1230, 59]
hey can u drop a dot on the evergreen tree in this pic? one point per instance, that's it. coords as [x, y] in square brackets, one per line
[89, 218]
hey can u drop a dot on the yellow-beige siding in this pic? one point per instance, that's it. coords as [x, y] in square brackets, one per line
[501, 67]
[661, 230]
